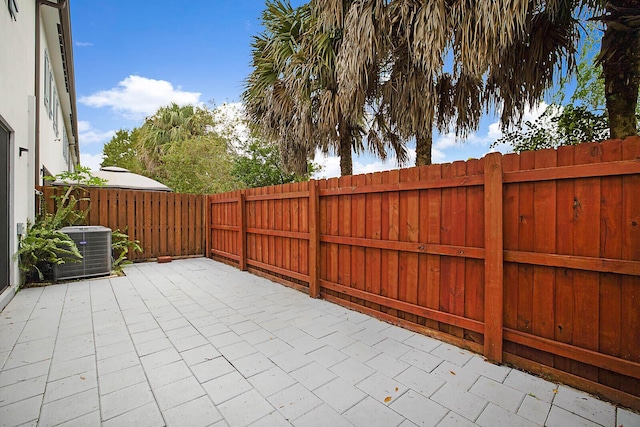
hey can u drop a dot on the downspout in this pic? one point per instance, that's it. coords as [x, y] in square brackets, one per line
[74, 147]
[60, 5]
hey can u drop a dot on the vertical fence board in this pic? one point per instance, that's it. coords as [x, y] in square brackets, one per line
[374, 217]
[630, 341]
[474, 237]
[447, 268]
[358, 230]
[544, 209]
[510, 220]
[314, 239]
[242, 234]
[323, 231]
[384, 235]
[394, 234]
[333, 273]
[458, 237]
[586, 217]
[526, 243]
[304, 223]
[611, 247]
[564, 245]
[178, 219]
[413, 226]
[279, 242]
[344, 229]
[434, 229]
[295, 226]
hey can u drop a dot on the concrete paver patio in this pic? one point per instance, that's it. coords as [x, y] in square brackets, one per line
[196, 342]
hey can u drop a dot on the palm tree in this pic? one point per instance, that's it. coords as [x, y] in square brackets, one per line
[620, 59]
[169, 125]
[293, 93]
[517, 47]
[391, 54]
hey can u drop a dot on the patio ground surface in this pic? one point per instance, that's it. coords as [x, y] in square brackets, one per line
[196, 342]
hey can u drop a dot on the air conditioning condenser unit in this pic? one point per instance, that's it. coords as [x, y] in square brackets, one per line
[94, 244]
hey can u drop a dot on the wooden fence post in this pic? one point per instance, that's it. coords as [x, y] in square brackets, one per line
[207, 226]
[314, 238]
[242, 233]
[493, 261]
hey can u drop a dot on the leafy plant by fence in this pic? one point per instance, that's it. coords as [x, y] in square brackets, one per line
[164, 223]
[530, 259]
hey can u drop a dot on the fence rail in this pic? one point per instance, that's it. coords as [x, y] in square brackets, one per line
[164, 223]
[530, 259]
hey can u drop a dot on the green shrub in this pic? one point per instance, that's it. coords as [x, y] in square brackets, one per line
[41, 247]
[121, 245]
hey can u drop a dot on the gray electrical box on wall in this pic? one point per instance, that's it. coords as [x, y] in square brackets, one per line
[94, 244]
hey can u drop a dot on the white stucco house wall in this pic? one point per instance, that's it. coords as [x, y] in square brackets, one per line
[38, 115]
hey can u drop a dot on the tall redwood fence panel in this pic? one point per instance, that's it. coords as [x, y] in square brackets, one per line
[164, 223]
[530, 259]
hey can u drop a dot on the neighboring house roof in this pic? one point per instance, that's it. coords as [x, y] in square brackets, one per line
[121, 178]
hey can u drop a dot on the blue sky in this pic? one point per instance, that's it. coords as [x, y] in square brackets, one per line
[132, 57]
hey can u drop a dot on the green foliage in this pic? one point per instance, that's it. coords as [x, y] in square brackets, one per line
[586, 81]
[200, 165]
[66, 213]
[584, 119]
[122, 151]
[121, 245]
[169, 126]
[261, 165]
[557, 126]
[42, 246]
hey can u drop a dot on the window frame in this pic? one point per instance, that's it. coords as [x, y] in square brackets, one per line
[47, 82]
[65, 144]
[55, 113]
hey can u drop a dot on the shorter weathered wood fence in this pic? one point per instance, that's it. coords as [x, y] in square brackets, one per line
[164, 223]
[530, 259]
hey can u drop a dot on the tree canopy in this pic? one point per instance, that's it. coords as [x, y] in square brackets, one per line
[122, 151]
[583, 119]
[198, 150]
[293, 93]
[260, 164]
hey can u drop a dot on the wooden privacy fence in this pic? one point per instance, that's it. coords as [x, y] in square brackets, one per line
[164, 223]
[530, 259]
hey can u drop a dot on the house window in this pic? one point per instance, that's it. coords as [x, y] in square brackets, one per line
[13, 9]
[56, 107]
[47, 82]
[65, 145]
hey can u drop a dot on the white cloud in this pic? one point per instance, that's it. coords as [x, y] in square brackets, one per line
[495, 131]
[92, 161]
[531, 114]
[137, 97]
[89, 135]
[441, 146]
[230, 118]
[330, 166]
[365, 164]
[83, 44]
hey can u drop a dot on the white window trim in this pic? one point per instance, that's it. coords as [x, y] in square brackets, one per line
[47, 82]
[65, 144]
[56, 108]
